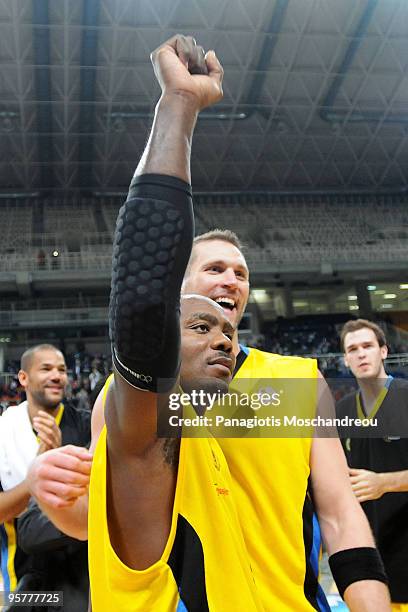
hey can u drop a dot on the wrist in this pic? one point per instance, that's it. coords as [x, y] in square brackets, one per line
[179, 102]
[385, 484]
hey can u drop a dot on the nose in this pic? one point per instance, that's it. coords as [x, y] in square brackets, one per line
[221, 342]
[229, 278]
[361, 352]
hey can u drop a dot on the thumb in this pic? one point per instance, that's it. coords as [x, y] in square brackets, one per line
[215, 70]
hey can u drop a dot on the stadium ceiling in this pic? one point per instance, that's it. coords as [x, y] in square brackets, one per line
[316, 93]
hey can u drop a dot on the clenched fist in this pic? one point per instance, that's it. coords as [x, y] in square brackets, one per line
[183, 68]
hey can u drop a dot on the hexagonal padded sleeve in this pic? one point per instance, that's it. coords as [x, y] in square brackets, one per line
[152, 245]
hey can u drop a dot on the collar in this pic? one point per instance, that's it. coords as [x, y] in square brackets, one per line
[377, 404]
[241, 357]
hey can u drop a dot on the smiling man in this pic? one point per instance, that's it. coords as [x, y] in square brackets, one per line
[40, 423]
[277, 506]
[379, 465]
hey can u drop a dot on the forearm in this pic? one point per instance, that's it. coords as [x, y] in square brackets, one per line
[169, 146]
[13, 502]
[367, 595]
[71, 520]
[348, 528]
[352, 531]
[394, 482]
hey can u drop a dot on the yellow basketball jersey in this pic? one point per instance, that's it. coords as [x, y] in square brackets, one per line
[204, 565]
[270, 486]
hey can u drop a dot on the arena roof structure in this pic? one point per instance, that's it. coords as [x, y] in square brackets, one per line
[316, 93]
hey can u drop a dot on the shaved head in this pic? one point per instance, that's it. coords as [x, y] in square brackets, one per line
[28, 355]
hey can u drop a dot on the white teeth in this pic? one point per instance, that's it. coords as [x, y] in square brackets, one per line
[225, 300]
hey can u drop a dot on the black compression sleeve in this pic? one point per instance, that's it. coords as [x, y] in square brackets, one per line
[152, 245]
[355, 564]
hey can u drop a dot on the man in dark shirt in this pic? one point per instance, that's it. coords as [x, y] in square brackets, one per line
[378, 461]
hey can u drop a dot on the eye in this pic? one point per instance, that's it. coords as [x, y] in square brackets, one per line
[214, 268]
[202, 328]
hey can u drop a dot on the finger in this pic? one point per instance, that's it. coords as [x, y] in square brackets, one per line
[44, 414]
[49, 439]
[50, 421]
[70, 477]
[44, 417]
[48, 427]
[183, 48]
[65, 491]
[359, 488]
[355, 479]
[55, 502]
[363, 497]
[76, 451]
[44, 428]
[81, 464]
[215, 70]
[45, 439]
[197, 64]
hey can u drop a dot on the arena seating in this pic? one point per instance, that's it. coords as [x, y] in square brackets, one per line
[276, 233]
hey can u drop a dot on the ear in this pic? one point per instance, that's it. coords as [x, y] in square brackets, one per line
[345, 360]
[23, 378]
[384, 352]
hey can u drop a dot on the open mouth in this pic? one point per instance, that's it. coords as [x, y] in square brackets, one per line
[226, 303]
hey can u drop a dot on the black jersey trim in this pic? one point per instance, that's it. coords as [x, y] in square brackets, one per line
[186, 561]
[310, 585]
[241, 357]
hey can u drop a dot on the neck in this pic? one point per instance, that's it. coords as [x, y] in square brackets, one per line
[371, 387]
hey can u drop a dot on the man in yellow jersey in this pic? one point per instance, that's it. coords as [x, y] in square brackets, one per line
[379, 465]
[305, 476]
[40, 423]
[282, 575]
[163, 528]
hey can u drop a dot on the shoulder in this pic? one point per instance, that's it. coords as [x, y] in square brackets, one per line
[13, 412]
[76, 414]
[399, 384]
[76, 422]
[285, 362]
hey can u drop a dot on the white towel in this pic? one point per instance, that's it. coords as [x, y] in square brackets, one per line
[18, 445]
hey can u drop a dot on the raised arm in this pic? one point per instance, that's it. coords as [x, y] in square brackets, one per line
[153, 240]
[152, 245]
